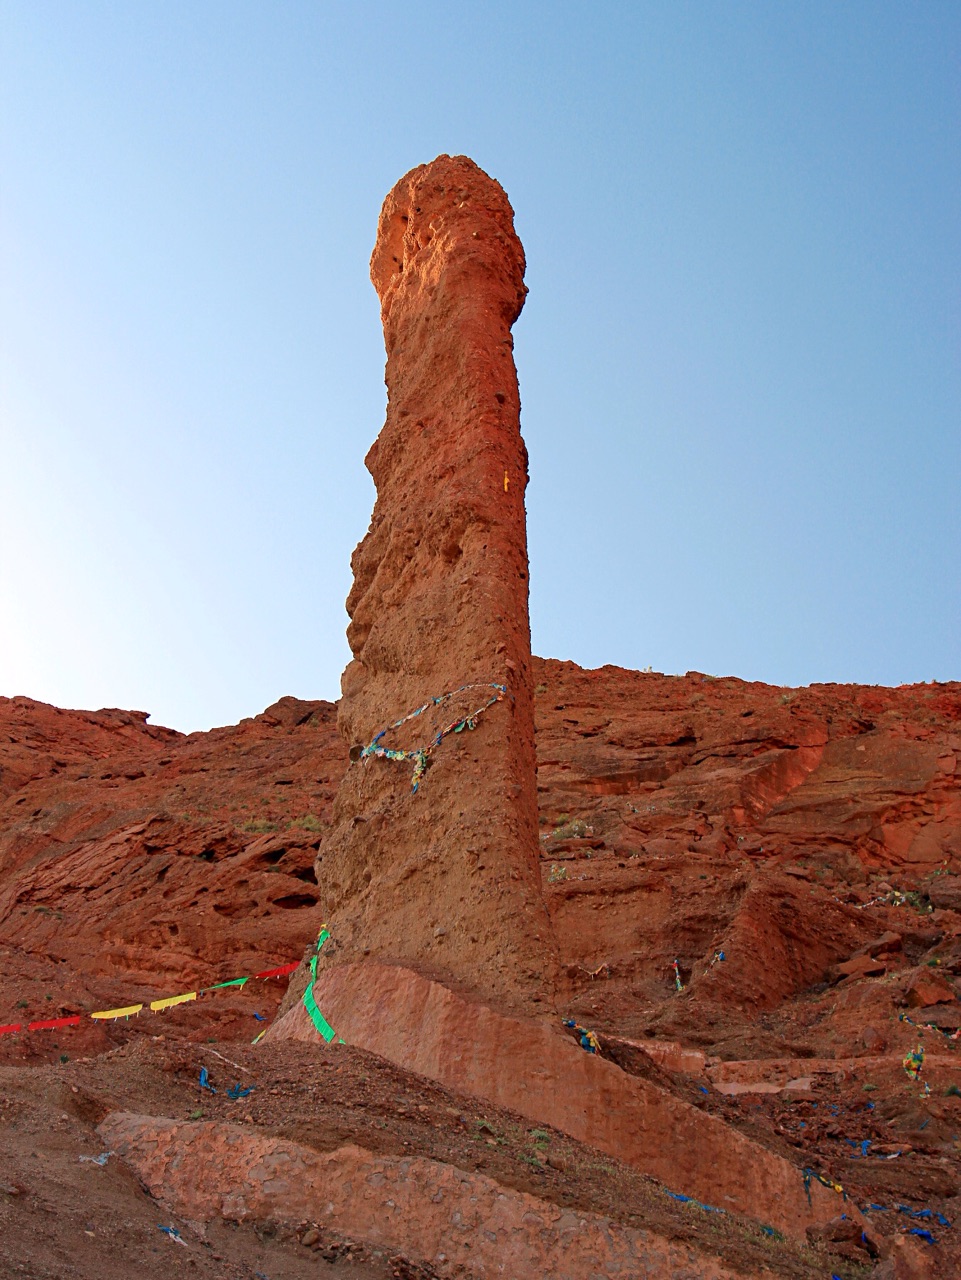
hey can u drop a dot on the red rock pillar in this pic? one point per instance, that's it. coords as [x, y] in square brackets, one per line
[445, 880]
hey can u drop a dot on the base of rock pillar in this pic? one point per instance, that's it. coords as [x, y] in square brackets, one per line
[528, 1067]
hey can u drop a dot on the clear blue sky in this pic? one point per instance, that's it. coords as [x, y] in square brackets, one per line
[739, 359]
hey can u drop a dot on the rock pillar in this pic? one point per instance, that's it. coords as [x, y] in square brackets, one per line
[443, 879]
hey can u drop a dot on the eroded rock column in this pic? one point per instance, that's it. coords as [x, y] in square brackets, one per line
[444, 880]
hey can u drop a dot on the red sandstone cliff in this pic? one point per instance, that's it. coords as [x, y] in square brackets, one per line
[679, 815]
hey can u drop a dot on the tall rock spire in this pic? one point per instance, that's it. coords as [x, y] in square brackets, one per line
[432, 858]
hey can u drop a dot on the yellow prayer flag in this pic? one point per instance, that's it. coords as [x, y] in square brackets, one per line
[118, 1013]
[157, 1005]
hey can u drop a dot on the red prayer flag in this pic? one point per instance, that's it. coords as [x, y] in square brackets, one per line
[51, 1023]
[278, 973]
[11, 1026]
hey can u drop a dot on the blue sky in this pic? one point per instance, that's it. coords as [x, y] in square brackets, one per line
[739, 361]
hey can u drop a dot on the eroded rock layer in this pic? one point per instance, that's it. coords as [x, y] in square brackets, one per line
[443, 878]
[458, 1223]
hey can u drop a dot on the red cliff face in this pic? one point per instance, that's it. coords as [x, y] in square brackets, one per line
[444, 879]
[134, 857]
[680, 817]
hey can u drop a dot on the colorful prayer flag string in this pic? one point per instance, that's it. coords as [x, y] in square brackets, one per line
[810, 1175]
[588, 1039]
[913, 1062]
[930, 1026]
[131, 1010]
[421, 756]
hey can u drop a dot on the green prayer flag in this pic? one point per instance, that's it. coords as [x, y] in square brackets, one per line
[310, 1004]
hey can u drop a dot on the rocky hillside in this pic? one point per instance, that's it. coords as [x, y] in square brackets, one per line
[752, 890]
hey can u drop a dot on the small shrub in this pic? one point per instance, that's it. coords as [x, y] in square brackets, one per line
[261, 825]
[482, 1127]
[309, 822]
[570, 830]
